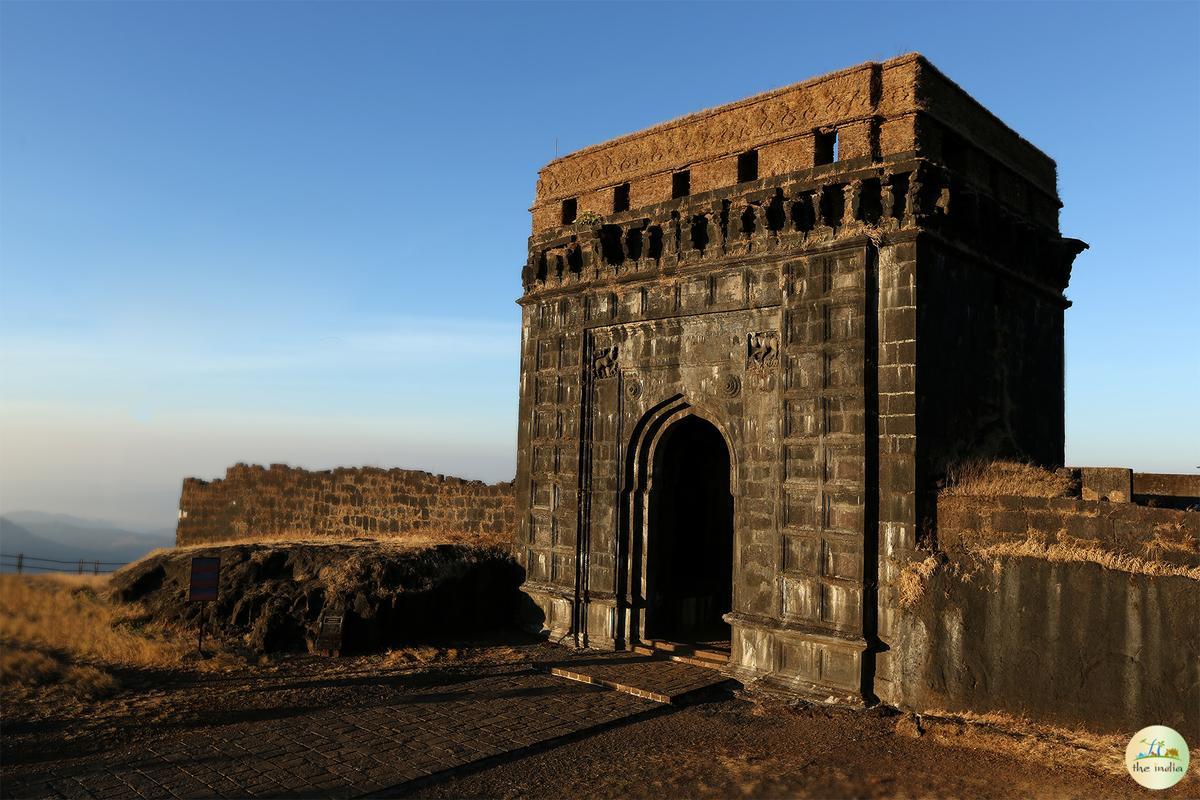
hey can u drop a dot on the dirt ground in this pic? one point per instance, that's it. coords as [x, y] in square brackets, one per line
[728, 746]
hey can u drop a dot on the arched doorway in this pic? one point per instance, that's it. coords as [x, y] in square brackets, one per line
[689, 543]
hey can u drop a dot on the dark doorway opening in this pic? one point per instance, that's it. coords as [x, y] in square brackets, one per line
[689, 558]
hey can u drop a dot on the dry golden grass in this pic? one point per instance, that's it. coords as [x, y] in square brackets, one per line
[63, 632]
[912, 581]
[981, 478]
[342, 573]
[29, 668]
[997, 731]
[1169, 539]
[425, 537]
[1080, 551]
[420, 655]
[72, 614]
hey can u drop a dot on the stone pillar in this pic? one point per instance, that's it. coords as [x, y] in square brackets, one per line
[852, 192]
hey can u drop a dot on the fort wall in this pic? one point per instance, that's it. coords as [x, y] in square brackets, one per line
[253, 502]
[1166, 535]
[1163, 485]
[1081, 613]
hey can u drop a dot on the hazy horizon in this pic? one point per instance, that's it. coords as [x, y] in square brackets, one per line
[273, 232]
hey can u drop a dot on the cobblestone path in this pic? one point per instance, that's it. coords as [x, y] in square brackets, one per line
[341, 751]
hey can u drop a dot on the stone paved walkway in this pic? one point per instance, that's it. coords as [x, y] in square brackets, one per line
[344, 751]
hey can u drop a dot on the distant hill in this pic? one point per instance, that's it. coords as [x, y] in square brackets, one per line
[38, 518]
[66, 538]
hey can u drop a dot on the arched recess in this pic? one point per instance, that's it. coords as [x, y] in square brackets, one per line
[641, 456]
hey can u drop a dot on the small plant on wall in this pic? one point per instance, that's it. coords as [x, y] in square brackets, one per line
[588, 218]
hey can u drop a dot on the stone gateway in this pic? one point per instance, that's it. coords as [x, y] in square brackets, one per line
[753, 339]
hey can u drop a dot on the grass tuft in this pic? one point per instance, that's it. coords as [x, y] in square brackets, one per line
[1000, 732]
[913, 579]
[1169, 539]
[981, 478]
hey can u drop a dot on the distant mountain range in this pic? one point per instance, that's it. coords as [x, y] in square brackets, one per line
[66, 538]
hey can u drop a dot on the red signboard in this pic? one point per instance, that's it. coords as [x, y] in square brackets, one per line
[206, 573]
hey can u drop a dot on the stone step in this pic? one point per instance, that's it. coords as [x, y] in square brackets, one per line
[649, 676]
[684, 653]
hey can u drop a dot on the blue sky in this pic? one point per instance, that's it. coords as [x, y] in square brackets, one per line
[294, 231]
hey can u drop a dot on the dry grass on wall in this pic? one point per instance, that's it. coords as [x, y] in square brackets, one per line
[62, 632]
[980, 478]
[913, 579]
[1172, 539]
[425, 537]
[1081, 551]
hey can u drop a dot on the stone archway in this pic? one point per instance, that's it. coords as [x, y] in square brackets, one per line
[657, 444]
[689, 535]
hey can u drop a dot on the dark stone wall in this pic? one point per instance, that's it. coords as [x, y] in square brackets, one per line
[970, 363]
[990, 364]
[769, 332]
[760, 314]
[900, 106]
[253, 502]
[1071, 643]
[1058, 637]
[1162, 485]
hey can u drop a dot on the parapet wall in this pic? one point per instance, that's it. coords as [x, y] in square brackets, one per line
[877, 109]
[253, 502]
[1163, 535]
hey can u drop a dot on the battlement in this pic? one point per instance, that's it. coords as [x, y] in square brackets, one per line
[255, 503]
[872, 114]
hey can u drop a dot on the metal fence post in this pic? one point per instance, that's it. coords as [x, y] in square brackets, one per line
[20, 562]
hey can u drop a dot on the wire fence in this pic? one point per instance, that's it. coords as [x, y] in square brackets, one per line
[21, 562]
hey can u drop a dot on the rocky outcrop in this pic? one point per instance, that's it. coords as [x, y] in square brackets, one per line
[271, 596]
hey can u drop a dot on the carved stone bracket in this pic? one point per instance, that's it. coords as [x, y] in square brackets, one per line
[604, 362]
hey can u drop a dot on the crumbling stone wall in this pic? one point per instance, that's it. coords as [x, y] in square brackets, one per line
[253, 502]
[1078, 612]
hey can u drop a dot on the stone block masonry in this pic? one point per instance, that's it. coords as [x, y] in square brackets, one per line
[1070, 643]
[253, 502]
[1166, 535]
[1071, 611]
